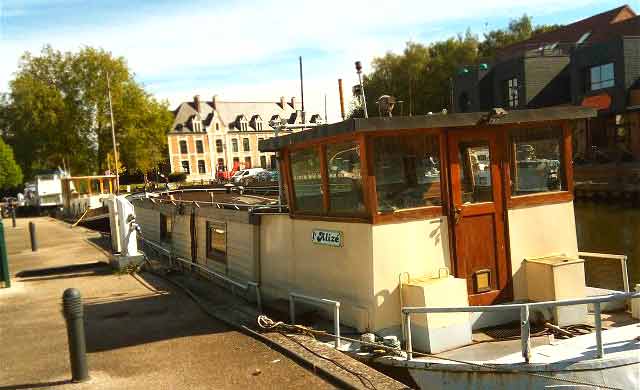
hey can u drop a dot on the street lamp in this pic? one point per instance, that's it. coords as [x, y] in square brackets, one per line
[364, 99]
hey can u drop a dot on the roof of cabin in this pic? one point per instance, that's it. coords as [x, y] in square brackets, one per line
[427, 122]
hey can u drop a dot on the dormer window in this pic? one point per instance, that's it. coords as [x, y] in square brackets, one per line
[241, 123]
[256, 122]
[197, 125]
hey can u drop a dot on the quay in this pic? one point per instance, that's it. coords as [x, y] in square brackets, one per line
[142, 332]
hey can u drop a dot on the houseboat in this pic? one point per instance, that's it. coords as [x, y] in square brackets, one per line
[425, 229]
[83, 196]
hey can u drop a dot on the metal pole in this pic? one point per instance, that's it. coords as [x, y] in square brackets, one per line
[625, 274]
[74, 316]
[409, 346]
[364, 99]
[13, 215]
[341, 98]
[598, 318]
[32, 234]
[4, 260]
[336, 323]
[525, 333]
[301, 91]
[292, 310]
[113, 136]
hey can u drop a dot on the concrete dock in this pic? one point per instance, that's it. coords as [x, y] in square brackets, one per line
[142, 333]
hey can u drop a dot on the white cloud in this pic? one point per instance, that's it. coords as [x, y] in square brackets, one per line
[158, 45]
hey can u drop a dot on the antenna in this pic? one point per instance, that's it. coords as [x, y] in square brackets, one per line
[326, 120]
[301, 90]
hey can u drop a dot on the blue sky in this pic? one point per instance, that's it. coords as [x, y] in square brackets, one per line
[249, 50]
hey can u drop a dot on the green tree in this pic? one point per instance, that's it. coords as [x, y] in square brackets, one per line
[10, 172]
[58, 114]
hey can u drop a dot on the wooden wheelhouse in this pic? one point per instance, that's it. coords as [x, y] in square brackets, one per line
[500, 183]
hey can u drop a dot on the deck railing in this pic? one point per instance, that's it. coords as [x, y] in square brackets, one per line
[623, 264]
[524, 308]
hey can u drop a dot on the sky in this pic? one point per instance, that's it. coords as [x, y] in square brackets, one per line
[248, 50]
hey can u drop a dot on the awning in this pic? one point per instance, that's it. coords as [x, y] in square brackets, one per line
[599, 102]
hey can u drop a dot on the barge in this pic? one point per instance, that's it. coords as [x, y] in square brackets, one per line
[428, 230]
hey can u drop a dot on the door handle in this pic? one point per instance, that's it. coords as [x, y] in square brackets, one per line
[457, 215]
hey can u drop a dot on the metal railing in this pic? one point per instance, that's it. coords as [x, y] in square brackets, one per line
[234, 283]
[524, 308]
[293, 296]
[623, 265]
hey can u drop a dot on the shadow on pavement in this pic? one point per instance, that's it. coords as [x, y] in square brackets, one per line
[97, 267]
[43, 385]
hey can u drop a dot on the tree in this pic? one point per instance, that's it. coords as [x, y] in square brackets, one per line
[10, 172]
[518, 30]
[58, 114]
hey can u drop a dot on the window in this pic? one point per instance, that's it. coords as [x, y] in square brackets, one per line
[601, 76]
[273, 162]
[217, 126]
[217, 241]
[201, 167]
[243, 126]
[220, 164]
[236, 163]
[199, 146]
[219, 145]
[258, 125]
[345, 182]
[307, 181]
[512, 90]
[475, 172]
[536, 161]
[185, 167]
[234, 145]
[166, 228]
[583, 38]
[245, 144]
[183, 147]
[407, 171]
[263, 162]
[247, 162]
[197, 126]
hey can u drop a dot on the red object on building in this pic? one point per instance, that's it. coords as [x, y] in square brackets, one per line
[599, 102]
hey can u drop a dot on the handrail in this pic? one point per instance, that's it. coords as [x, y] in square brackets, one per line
[321, 301]
[623, 264]
[243, 286]
[524, 317]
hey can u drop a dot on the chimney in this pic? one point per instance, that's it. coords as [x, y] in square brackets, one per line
[293, 102]
[214, 101]
[196, 102]
[282, 102]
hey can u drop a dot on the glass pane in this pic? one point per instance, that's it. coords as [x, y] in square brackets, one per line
[217, 237]
[595, 74]
[407, 170]
[537, 165]
[307, 181]
[475, 172]
[345, 182]
[607, 72]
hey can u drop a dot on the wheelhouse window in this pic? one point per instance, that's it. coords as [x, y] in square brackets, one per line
[601, 76]
[217, 241]
[345, 181]
[199, 146]
[183, 147]
[512, 92]
[165, 228]
[475, 172]
[537, 161]
[407, 171]
[307, 180]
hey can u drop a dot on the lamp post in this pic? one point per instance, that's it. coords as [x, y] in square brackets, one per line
[364, 99]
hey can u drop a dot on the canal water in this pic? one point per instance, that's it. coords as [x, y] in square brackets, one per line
[609, 228]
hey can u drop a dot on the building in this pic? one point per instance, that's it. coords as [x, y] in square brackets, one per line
[594, 62]
[214, 136]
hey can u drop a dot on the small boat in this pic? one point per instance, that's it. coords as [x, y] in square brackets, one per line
[83, 197]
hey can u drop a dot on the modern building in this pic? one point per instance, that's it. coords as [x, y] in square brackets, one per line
[214, 136]
[594, 62]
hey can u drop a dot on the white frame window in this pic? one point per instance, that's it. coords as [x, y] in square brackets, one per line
[512, 89]
[601, 76]
[185, 166]
[202, 167]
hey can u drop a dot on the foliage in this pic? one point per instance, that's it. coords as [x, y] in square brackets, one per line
[57, 113]
[421, 77]
[177, 177]
[10, 172]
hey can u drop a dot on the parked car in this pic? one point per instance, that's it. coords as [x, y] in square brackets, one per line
[243, 177]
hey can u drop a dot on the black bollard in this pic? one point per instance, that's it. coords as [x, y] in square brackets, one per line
[13, 216]
[74, 315]
[32, 233]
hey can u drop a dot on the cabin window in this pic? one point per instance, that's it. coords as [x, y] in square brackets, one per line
[219, 145]
[183, 147]
[166, 228]
[217, 241]
[234, 145]
[475, 172]
[537, 156]
[345, 182]
[307, 180]
[407, 171]
[199, 146]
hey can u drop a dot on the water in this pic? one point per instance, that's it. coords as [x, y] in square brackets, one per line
[610, 228]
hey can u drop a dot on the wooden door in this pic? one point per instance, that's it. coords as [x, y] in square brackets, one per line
[477, 212]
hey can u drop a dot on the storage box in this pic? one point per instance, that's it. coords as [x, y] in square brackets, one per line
[434, 333]
[556, 278]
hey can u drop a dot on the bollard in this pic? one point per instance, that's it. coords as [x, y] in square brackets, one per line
[73, 313]
[32, 233]
[4, 261]
[13, 216]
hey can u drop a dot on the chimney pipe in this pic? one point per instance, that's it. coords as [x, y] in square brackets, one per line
[341, 98]
[282, 102]
[214, 102]
[196, 102]
[293, 102]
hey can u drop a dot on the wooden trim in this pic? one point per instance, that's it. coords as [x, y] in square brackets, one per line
[328, 218]
[403, 132]
[365, 177]
[322, 141]
[324, 178]
[372, 193]
[421, 213]
[567, 158]
[285, 170]
[521, 201]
